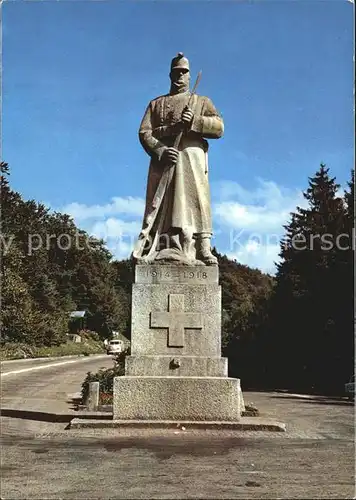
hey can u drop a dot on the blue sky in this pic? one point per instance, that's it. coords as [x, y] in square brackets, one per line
[77, 76]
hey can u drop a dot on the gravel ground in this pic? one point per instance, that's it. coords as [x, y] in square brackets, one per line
[41, 459]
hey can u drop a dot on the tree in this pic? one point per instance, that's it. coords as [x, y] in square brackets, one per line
[306, 345]
[50, 267]
[245, 298]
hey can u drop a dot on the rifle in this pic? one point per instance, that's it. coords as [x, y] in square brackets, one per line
[180, 135]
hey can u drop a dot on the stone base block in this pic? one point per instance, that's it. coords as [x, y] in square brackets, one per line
[176, 366]
[176, 398]
[176, 319]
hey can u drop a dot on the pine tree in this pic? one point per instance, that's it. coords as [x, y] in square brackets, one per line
[306, 341]
[343, 278]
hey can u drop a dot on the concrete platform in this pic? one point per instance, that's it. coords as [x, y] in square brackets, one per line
[244, 424]
[93, 415]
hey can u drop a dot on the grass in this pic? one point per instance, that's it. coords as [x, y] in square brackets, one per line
[21, 351]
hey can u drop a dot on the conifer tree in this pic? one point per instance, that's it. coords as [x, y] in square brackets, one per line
[306, 348]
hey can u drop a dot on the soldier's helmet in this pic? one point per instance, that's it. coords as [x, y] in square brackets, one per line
[180, 62]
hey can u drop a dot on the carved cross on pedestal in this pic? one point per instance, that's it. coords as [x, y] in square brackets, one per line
[176, 320]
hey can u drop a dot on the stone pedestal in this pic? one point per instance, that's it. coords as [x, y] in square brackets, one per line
[175, 370]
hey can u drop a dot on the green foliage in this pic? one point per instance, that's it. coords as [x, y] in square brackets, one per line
[43, 277]
[89, 335]
[105, 377]
[311, 340]
[17, 308]
[16, 350]
[246, 294]
[123, 277]
[294, 330]
[19, 350]
[71, 348]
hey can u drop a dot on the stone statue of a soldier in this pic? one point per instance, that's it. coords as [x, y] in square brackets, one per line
[177, 225]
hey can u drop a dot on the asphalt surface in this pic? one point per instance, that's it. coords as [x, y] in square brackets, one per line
[20, 365]
[40, 459]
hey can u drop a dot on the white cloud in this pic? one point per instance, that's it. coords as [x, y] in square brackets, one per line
[249, 217]
[253, 220]
[115, 228]
[118, 205]
[248, 224]
[120, 249]
[263, 209]
[118, 235]
[264, 190]
[257, 255]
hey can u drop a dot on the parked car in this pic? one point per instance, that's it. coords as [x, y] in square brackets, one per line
[350, 388]
[115, 347]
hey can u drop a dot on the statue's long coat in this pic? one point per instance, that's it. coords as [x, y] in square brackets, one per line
[177, 197]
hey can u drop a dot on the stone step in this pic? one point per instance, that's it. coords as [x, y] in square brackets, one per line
[176, 366]
[243, 424]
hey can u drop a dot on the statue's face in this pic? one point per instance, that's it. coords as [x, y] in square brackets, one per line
[180, 78]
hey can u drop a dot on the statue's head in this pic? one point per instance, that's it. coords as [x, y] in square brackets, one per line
[179, 74]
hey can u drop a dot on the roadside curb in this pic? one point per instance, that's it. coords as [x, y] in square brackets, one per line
[52, 365]
[49, 358]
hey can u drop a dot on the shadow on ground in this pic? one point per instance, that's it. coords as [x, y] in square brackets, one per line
[166, 447]
[163, 447]
[38, 416]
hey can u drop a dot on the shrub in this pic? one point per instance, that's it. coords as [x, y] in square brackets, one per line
[89, 335]
[105, 377]
[105, 398]
[250, 411]
[16, 350]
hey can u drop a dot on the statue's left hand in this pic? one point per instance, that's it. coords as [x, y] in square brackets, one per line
[187, 115]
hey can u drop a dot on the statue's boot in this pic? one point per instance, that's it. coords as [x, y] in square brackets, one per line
[175, 242]
[203, 249]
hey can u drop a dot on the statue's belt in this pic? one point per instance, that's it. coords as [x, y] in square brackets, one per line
[167, 130]
[167, 135]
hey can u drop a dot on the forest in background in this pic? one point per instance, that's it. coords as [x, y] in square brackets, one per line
[294, 330]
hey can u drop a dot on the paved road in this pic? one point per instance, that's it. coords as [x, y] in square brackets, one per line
[40, 459]
[22, 365]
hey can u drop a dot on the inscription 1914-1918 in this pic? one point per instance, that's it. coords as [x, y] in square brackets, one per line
[175, 274]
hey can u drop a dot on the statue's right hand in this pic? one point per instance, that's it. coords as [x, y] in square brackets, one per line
[170, 155]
